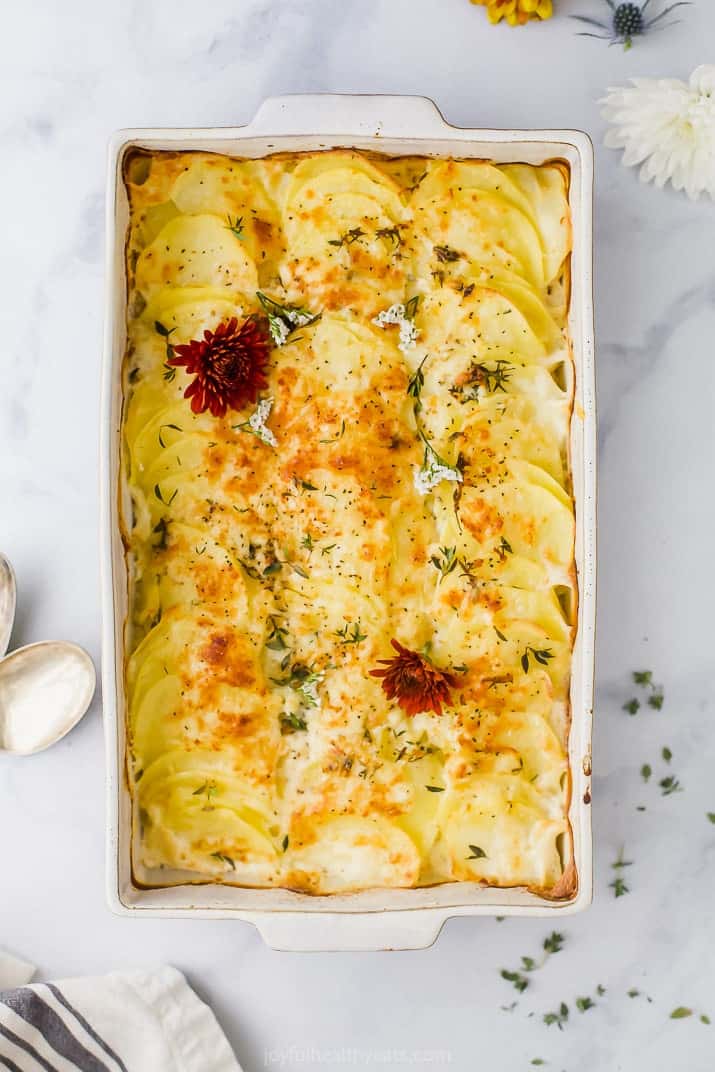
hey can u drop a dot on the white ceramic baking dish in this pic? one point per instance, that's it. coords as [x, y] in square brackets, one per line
[374, 919]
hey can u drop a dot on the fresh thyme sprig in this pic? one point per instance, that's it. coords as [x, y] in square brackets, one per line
[541, 655]
[347, 239]
[481, 376]
[292, 723]
[304, 680]
[503, 549]
[351, 634]
[417, 382]
[277, 635]
[391, 234]
[447, 255]
[445, 562]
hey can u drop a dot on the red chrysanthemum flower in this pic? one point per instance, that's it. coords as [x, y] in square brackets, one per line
[414, 682]
[229, 365]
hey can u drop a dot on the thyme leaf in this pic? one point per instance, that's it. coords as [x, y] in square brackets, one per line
[224, 859]
[348, 237]
[292, 723]
[235, 226]
[447, 255]
[165, 502]
[541, 655]
[559, 1017]
[351, 636]
[445, 562]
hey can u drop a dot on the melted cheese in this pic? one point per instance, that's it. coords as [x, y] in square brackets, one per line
[405, 475]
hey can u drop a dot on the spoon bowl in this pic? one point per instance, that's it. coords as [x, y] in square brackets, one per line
[45, 689]
[8, 599]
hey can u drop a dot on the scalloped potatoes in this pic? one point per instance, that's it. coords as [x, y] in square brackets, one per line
[407, 478]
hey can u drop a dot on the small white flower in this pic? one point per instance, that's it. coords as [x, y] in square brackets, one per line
[397, 314]
[284, 319]
[433, 471]
[257, 422]
[299, 319]
[668, 129]
[279, 329]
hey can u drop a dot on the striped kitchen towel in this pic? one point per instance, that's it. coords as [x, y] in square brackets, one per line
[138, 1022]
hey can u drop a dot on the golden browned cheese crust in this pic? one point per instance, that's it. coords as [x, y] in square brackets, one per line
[403, 476]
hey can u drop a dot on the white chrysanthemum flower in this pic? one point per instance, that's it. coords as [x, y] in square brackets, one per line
[668, 129]
[257, 422]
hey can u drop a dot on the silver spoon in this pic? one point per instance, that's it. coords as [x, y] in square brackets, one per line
[8, 599]
[45, 689]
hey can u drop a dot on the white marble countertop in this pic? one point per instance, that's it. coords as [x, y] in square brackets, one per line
[72, 73]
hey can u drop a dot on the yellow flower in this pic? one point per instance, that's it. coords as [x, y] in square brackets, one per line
[516, 12]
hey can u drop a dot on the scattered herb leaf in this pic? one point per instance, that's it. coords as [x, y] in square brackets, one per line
[235, 226]
[559, 1018]
[166, 502]
[554, 943]
[445, 561]
[292, 723]
[224, 859]
[447, 255]
[348, 237]
[541, 655]
[350, 635]
[518, 981]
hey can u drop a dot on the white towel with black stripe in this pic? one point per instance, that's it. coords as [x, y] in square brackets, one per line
[133, 1022]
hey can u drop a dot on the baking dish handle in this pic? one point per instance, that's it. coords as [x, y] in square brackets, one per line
[369, 115]
[367, 932]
